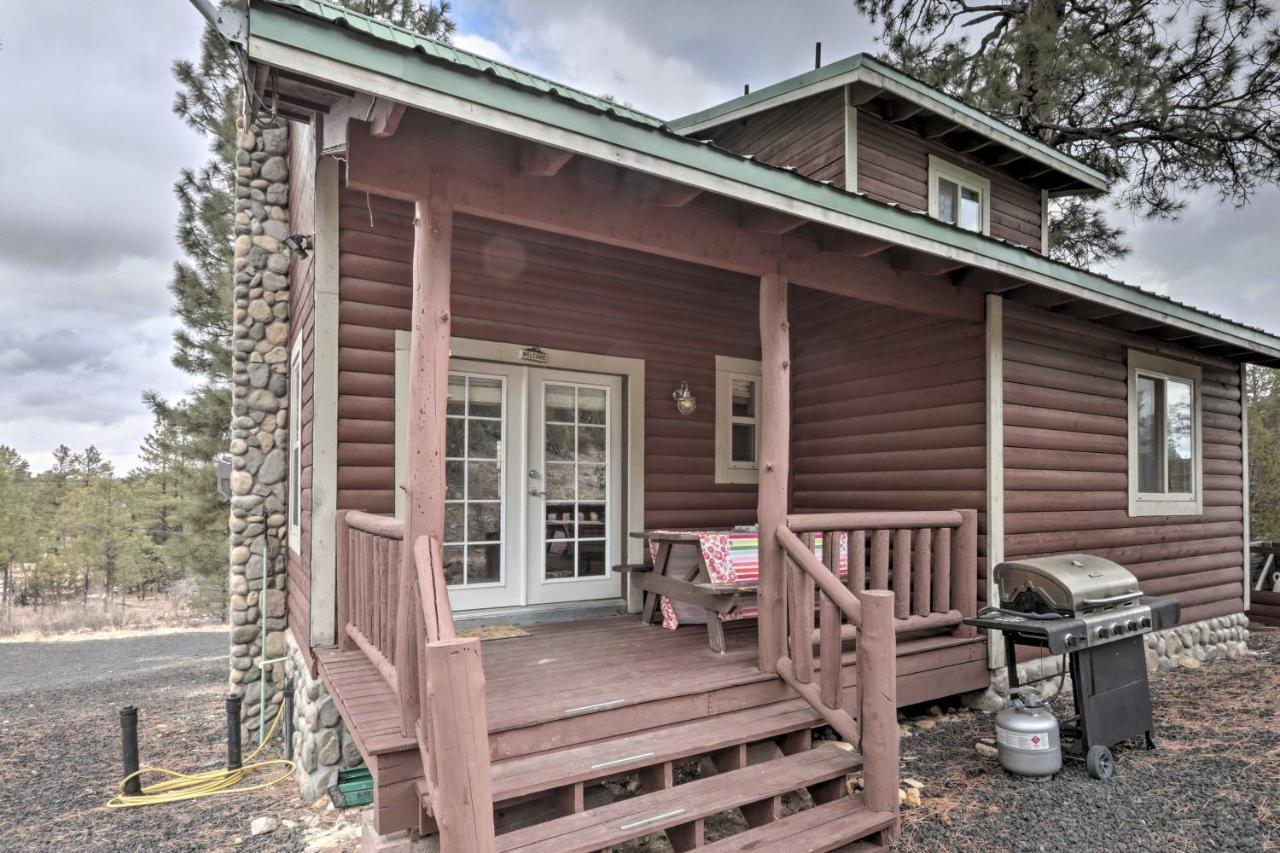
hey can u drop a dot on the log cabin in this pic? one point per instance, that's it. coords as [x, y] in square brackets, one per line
[526, 324]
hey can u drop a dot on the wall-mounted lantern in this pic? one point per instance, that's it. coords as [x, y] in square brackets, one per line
[686, 403]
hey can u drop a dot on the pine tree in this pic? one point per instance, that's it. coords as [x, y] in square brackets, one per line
[17, 519]
[197, 427]
[1162, 98]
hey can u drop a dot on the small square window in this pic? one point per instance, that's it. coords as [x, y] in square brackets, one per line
[959, 197]
[1165, 468]
[737, 420]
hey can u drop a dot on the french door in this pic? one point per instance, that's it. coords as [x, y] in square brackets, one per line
[533, 485]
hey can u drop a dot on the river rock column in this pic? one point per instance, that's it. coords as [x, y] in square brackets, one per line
[259, 416]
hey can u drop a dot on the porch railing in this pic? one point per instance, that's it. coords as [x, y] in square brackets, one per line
[907, 571]
[402, 622]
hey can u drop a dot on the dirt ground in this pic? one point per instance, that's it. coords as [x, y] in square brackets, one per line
[1215, 785]
[60, 750]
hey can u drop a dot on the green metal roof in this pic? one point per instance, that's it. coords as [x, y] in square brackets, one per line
[864, 66]
[354, 40]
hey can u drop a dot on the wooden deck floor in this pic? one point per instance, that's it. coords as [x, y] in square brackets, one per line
[580, 682]
[571, 670]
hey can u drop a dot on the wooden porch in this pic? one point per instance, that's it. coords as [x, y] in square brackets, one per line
[574, 704]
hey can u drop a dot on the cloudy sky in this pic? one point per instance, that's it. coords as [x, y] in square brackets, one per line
[92, 150]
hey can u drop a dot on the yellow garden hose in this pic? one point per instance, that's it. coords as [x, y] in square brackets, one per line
[176, 787]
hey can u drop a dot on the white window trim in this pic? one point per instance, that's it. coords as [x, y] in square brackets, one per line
[1141, 504]
[295, 440]
[939, 168]
[727, 370]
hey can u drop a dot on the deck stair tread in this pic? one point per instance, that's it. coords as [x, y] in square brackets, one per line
[636, 817]
[528, 774]
[821, 828]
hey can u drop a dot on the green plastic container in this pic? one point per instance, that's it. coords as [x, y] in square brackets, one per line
[353, 788]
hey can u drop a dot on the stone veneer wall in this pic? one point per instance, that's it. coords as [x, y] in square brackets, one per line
[1187, 646]
[321, 744]
[259, 412]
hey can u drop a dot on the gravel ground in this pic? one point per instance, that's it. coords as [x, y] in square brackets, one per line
[1214, 785]
[60, 748]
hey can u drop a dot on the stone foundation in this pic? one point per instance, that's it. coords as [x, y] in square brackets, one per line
[259, 416]
[1187, 646]
[321, 745]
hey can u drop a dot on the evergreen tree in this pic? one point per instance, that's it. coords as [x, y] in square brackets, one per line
[17, 519]
[197, 426]
[1161, 97]
[1263, 395]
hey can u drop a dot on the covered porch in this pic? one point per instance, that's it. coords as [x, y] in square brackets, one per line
[870, 427]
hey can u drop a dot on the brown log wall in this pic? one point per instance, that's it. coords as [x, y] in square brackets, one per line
[888, 409]
[1066, 463]
[807, 135]
[302, 175]
[893, 166]
[526, 287]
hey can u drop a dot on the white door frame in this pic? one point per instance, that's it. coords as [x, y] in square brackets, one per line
[632, 370]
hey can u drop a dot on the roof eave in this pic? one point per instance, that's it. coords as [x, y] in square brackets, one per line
[381, 70]
[864, 69]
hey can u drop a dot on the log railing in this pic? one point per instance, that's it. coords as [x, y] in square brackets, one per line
[369, 587]
[402, 622]
[907, 572]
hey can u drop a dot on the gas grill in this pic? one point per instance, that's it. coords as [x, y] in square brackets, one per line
[1092, 610]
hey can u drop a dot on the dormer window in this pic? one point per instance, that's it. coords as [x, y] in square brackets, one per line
[959, 197]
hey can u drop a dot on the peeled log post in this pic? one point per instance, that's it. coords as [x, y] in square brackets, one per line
[462, 798]
[878, 689]
[428, 396]
[775, 461]
[964, 569]
[344, 582]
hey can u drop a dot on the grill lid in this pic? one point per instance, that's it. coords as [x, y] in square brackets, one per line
[1069, 583]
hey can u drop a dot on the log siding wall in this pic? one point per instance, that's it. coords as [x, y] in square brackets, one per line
[302, 184]
[1066, 463]
[893, 166]
[807, 135]
[888, 409]
[521, 286]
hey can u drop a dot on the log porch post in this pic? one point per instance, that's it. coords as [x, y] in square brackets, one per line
[775, 462]
[424, 476]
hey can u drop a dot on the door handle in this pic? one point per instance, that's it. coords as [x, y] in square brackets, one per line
[536, 492]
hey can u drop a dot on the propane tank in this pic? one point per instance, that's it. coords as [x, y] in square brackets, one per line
[1027, 735]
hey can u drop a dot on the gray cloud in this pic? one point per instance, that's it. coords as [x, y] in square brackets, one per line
[92, 150]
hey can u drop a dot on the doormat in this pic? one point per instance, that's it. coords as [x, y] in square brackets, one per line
[493, 632]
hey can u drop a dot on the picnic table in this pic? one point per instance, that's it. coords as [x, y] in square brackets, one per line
[702, 576]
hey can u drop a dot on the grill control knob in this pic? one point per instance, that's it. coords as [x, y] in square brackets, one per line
[1146, 621]
[1131, 626]
[1104, 632]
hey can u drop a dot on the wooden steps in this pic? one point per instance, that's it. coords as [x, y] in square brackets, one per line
[680, 810]
[821, 828]
[530, 774]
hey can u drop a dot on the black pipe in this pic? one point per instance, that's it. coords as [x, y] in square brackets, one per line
[129, 749]
[233, 732]
[817, 54]
[287, 710]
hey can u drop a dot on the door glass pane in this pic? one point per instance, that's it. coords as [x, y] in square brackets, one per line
[947, 192]
[1178, 435]
[474, 429]
[576, 447]
[1149, 413]
[970, 209]
[744, 443]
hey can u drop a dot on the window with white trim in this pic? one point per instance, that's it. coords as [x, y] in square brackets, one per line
[959, 197]
[295, 447]
[738, 408]
[1165, 461]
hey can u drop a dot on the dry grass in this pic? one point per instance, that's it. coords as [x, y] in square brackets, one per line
[95, 618]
